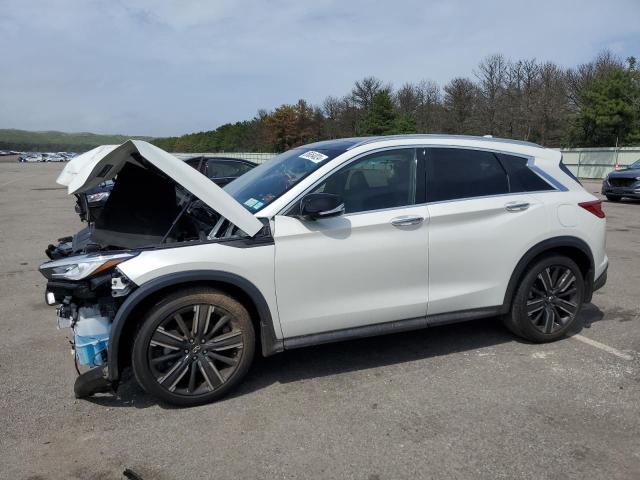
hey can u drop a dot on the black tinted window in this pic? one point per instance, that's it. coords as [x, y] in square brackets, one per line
[226, 168]
[381, 180]
[521, 178]
[461, 173]
[197, 163]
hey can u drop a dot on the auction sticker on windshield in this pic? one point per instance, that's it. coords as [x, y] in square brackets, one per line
[254, 204]
[315, 157]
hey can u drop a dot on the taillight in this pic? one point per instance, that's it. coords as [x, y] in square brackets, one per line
[594, 207]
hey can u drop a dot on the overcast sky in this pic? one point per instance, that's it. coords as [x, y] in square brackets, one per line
[151, 67]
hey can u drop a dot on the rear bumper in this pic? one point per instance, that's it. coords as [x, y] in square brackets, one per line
[601, 280]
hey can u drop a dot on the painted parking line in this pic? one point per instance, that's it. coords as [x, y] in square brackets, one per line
[602, 346]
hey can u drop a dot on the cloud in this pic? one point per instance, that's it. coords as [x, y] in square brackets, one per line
[171, 67]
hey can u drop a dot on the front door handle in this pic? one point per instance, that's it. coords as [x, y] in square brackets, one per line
[516, 206]
[406, 220]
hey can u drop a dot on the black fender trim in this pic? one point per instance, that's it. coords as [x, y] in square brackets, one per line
[270, 343]
[542, 247]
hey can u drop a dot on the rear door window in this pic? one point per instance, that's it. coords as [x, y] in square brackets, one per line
[455, 173]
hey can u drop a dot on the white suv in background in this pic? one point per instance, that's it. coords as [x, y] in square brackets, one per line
[330, 241]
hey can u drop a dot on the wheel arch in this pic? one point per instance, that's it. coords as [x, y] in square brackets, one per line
[573, 247]
[129, 314]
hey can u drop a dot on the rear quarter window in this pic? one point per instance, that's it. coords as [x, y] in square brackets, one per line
[521, 177]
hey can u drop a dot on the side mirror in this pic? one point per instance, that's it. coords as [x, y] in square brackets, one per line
[321, 205]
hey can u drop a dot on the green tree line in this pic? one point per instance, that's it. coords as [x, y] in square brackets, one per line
[593, 104]
[52, 141]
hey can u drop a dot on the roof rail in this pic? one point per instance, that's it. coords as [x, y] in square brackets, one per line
[431, 136]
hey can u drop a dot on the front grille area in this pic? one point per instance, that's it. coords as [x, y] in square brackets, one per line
[621, 182]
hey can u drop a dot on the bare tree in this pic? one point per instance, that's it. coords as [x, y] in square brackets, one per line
[460, 98]
[332, 110]
[429, 111]
[407, 100]
[491, 75]
[551, 112]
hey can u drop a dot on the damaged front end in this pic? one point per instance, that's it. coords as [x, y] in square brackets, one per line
[157, 201]
[88, 290]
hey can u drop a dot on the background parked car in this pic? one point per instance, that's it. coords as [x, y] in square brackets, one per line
[623, 183]
[53, 157]
[30, 157]
[221, 170]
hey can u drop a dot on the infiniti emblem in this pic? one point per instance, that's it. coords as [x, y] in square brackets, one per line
[196, 349]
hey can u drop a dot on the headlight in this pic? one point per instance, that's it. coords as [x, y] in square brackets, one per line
[97, 197]
[82, 266]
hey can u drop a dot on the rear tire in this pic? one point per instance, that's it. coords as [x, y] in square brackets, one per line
[193, 347]
[614, 198]
[547, 300]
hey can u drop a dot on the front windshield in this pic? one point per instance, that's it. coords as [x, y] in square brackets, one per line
[262, 185]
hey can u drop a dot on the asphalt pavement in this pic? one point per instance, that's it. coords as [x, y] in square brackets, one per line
[459, 401]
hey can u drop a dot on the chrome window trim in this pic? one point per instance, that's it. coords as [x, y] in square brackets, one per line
[545, 176]
[555, 184]
[531, 164]
[481, 197]
[353, 214]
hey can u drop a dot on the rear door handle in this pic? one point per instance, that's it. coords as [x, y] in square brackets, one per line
[516, 206]
[406, 220]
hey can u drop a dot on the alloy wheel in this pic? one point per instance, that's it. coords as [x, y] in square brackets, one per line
[553, 299]
[195, 349]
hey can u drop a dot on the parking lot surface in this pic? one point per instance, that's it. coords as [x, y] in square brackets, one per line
[460, 401]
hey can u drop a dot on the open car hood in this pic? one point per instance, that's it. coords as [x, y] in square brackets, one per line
[103, 163]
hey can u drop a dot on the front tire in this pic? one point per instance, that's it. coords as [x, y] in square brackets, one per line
[614, 198]
[193, 347]
[547, 300]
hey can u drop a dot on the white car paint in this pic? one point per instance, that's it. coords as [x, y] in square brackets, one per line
[474, 245]
[358, 269]
[254, 264]
[350, 271]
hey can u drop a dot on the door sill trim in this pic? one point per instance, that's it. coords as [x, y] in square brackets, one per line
[390, 327]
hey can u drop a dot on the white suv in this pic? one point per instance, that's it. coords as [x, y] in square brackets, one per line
[330, 241]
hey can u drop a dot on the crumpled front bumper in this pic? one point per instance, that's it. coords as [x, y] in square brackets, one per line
[93, 381]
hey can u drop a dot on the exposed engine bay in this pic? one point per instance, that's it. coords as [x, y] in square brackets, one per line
[146, 208]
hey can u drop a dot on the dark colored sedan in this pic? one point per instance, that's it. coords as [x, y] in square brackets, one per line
[623, 183]
[221, 170]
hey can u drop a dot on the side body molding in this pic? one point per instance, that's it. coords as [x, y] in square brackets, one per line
[270, 343]
[542, 247]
